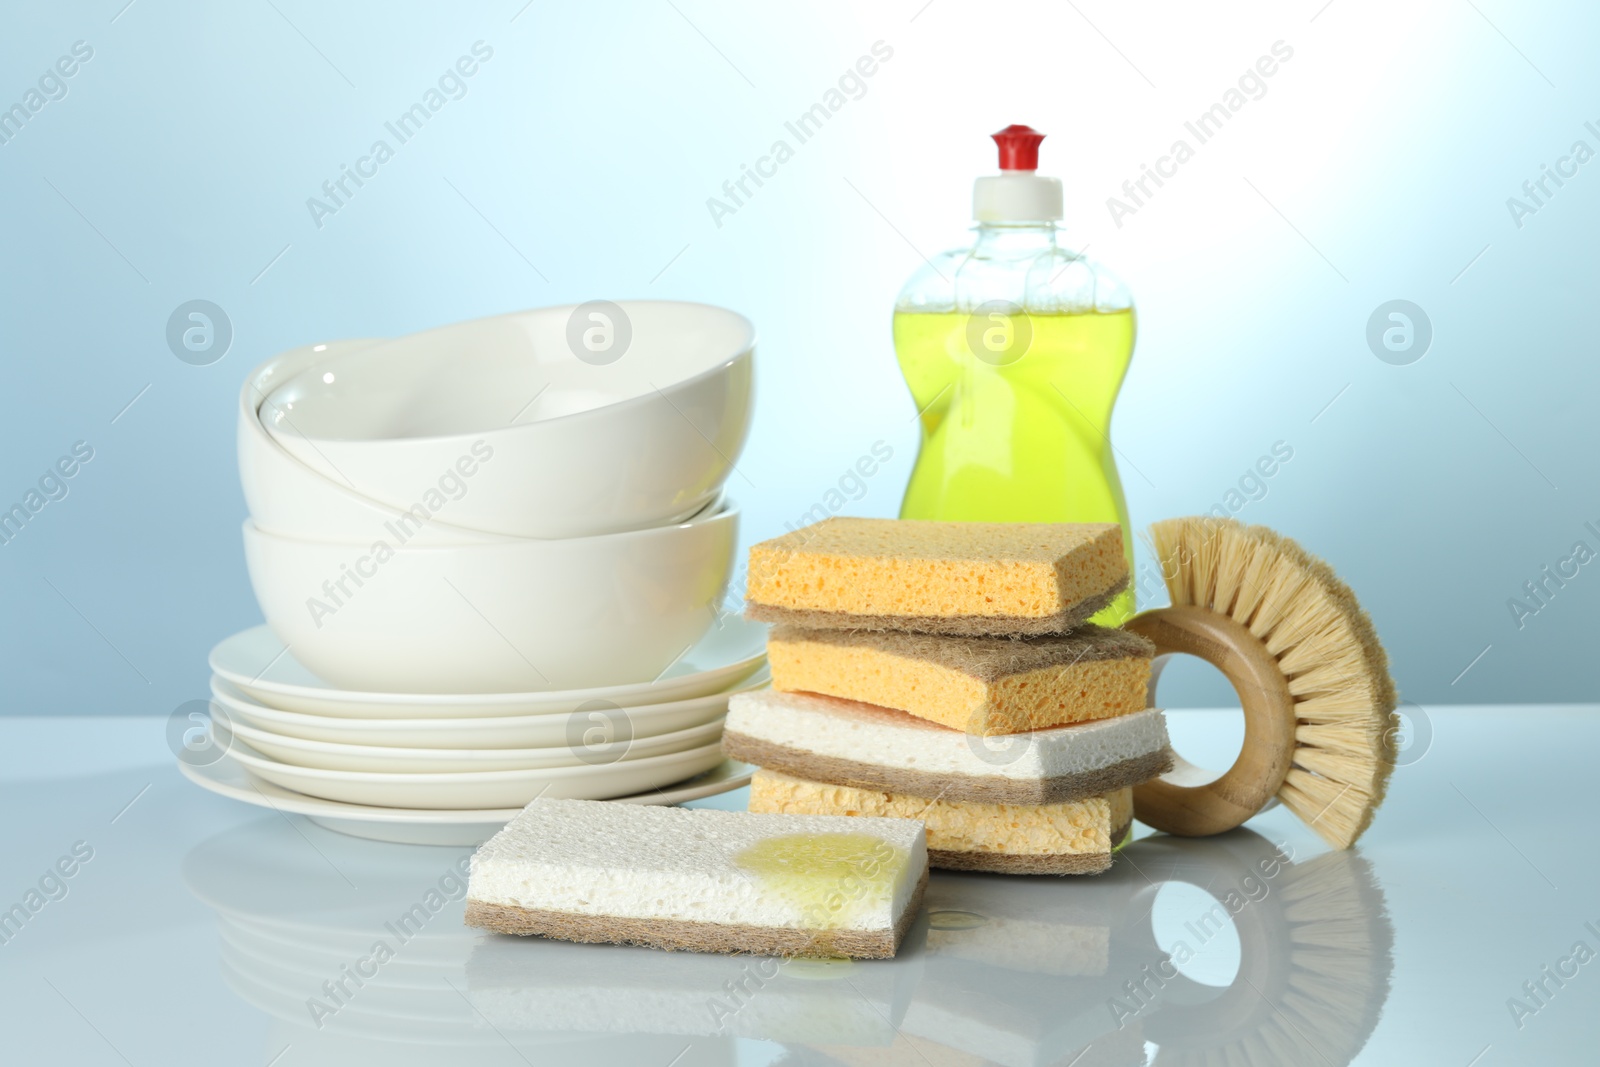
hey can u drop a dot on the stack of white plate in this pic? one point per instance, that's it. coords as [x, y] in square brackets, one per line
[434, 768]
[491, 558]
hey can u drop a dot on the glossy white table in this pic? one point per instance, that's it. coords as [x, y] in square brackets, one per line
[200, 931]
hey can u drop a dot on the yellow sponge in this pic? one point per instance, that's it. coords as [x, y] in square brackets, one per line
[983, 685]
[937, 577]
[1072, 838]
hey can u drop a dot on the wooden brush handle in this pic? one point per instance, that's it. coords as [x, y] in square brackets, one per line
[1179, 803]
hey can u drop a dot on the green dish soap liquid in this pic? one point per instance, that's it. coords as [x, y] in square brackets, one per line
[1015, 349]
[830, 879]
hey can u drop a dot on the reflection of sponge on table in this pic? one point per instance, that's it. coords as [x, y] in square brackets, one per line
[1071, 838]
[937, 577]
[982, 685]
[700, 879]
[575, 989]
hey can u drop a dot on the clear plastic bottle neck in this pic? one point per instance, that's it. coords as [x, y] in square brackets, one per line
[1008, 239]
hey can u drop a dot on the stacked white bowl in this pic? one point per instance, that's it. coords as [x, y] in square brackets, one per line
[459, 537]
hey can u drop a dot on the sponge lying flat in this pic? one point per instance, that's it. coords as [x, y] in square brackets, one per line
[982, 685]
[701, 879]
[937, 577]
[843, 742]
[1072, 838]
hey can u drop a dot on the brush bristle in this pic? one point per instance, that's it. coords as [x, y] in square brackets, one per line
[1326, 646]
[1329, 990]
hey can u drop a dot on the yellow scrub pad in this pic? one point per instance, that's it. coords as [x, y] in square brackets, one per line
[937, 577]
[1071, 838]
[983, 685]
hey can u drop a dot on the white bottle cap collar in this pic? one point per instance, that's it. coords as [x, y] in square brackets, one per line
[1017, 196]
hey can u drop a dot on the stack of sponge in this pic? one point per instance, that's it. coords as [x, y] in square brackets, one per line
[945, 672]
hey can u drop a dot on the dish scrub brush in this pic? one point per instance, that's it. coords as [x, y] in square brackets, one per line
[1311, 676]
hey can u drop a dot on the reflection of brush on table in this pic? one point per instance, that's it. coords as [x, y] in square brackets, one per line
[1315, 955]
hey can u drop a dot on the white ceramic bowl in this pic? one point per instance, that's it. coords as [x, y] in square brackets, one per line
[496, 732]
[599, 739]
[287, 497]
[513, 426]
[510, 617]
[482, 789]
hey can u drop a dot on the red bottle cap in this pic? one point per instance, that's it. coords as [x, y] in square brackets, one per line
[1019, 147]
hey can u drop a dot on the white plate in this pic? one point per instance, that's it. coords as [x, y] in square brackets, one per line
[481, 789]
[494, 731]
[602, 742]
[412, 826]
[256, 663]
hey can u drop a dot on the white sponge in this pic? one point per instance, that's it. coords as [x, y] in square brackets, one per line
[843, 742]
[701, 879]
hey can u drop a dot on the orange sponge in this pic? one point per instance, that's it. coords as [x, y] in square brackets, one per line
[983, 685]
[1071, 838]
[937, 577]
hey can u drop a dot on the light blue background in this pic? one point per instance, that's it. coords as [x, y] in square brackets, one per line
[578, 164]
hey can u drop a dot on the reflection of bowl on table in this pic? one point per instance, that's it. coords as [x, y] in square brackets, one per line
[290, 921]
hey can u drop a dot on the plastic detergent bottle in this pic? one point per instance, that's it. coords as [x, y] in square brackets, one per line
[1014, 349]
